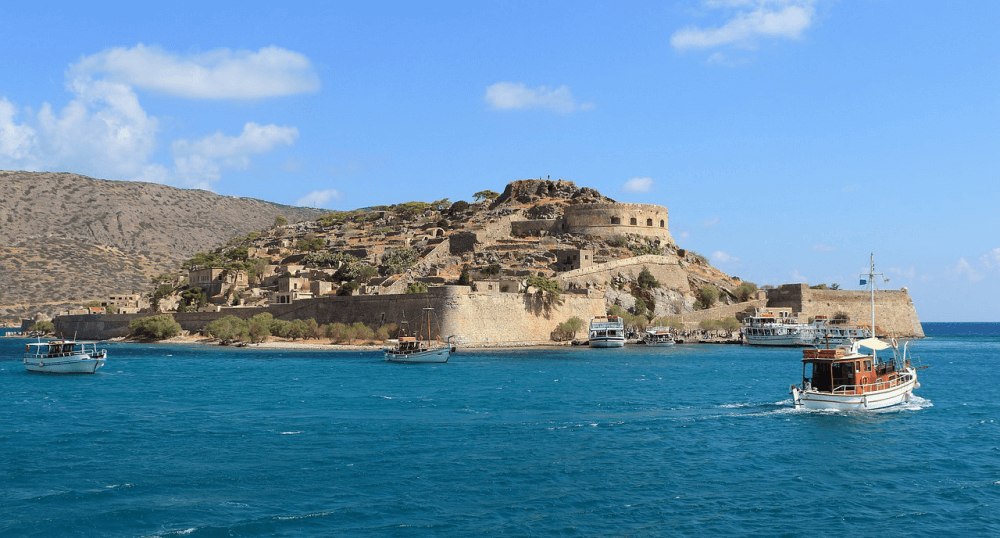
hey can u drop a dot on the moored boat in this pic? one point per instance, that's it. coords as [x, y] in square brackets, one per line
[607, 331]
[63, 357]
[658, 336]
[845, 378]
[412, 349]
[768, 330]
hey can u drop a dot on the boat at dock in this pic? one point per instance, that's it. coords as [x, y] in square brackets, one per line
[607, 331]
[658, 337]
[408, 348]
[847, 378]
[769, 330]
[64, 357]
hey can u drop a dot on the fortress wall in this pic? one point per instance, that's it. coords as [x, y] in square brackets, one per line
[894, 310]
[721, 312]
[609, 219]
[527, 228]
[515, 318]
[474, 318]
[665, 269]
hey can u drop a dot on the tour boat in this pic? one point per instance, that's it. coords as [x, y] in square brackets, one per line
[607, 331]
[658, 336]
[63, 357]
[769, 330]
[845, 378]
[411, 349]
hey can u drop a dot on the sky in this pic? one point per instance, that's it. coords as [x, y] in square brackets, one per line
[789, 139]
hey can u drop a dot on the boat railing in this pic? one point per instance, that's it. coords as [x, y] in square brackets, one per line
[900, 379]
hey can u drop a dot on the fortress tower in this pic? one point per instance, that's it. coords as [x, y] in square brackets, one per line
[608, 219]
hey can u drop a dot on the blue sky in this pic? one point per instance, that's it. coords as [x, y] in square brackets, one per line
[788, 138]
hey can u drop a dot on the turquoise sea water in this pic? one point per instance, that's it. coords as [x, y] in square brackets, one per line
[693, 440]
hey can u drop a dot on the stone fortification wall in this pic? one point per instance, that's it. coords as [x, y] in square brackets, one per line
[474, 318]
[528, 228]
[665, 269]
[894, 310]
[692, 319]
[608, 219]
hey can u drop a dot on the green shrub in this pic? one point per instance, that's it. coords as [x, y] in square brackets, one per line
[155, 327]
[416, 287]
[42, 326]
[646, 280]
[228, 330]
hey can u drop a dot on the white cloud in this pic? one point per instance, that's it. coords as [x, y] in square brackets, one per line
[638, 184]
[796, 276]
[200, 163]
[104, 131]
[318, 198]
[218, 74]
[511, 96]
[823, 248]
[991, 259]
[710, 222]
[767, 18]
[721, 257]
[964, 268]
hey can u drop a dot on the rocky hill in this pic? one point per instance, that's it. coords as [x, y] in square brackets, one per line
[67, 239]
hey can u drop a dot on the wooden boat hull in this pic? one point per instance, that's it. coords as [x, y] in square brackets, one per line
[877, 399]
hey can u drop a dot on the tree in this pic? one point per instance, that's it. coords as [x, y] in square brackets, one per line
[43, 327]
[460, 206]
[238, 254]
[834, 286]
[485, 195]
[164, 290]
[416, 287]
[259, 327]
[279, 221]
[465, 279]
[204, 260]
[567, 329]
[745, 291]
[492, 269]
[228, 330]
[310, 243]
[396, 260]
[347, 288]
[154, 327]
[544, 285]
[363, 272]
[646, 280]
[708, 295]
[194, 296]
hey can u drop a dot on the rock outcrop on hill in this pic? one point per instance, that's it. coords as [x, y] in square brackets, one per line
[66, 238]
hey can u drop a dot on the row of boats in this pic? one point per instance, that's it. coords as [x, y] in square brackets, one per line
[848, 373]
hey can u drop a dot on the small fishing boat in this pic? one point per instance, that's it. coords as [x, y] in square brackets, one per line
[63, 357]
[846, 378]
[658, 336]
[607, 331]
[411, 349]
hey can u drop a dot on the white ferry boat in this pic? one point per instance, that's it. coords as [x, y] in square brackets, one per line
[845, 378]
[770, 330]
[834, 334]
[658, 336]
[607, 331]
[63, 357]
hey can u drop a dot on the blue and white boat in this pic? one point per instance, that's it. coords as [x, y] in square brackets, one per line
[607, 331]
[64, 357]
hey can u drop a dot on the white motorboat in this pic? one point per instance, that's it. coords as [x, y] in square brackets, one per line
[769, 330]
[412, 349]
[607, 331]
[658, 336]
[845, 378]
[63, 357]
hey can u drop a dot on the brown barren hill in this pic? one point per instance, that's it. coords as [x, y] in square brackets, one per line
[67, 239]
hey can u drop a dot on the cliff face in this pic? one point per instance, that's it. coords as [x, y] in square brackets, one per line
[66, 238]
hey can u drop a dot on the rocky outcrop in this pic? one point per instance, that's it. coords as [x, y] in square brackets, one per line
[528, 191]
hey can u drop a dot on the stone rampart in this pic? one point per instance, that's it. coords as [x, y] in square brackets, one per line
[665, 269]
[608, 219]
[894, 310]
[473, 318]
[692, 319]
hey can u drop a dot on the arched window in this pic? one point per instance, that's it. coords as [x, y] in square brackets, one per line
[633, 222]
[661, 223]
[616, 220]
[649, 222]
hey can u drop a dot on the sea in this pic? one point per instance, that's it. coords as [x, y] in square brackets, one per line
[689, 440]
